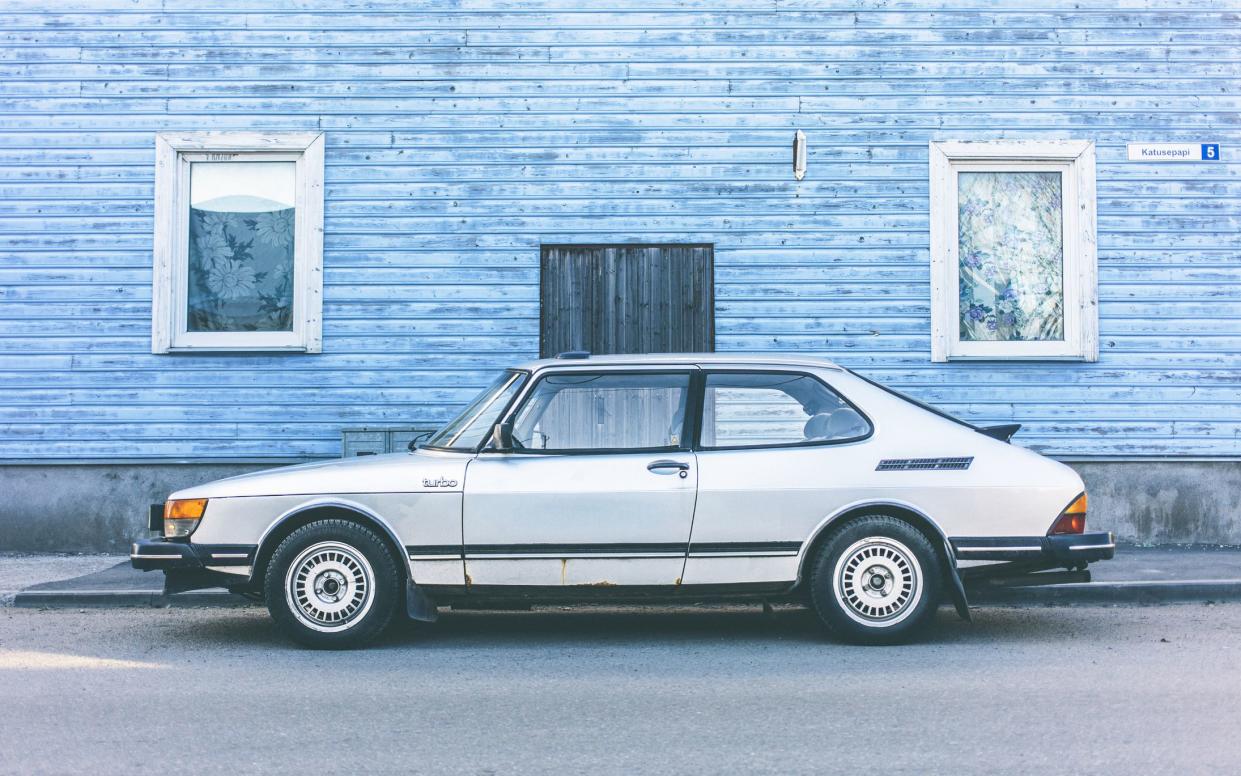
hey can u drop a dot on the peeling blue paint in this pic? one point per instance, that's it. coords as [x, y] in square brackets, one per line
[462, 135]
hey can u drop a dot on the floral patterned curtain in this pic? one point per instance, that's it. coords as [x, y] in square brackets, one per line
[240, 261]
[1011, 253]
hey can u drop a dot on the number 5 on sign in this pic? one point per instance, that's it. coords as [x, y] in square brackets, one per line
[1210, 152]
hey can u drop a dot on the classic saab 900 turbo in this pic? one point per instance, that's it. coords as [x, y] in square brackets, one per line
[672, 477]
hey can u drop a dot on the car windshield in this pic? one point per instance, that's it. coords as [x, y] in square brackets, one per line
[468, 430]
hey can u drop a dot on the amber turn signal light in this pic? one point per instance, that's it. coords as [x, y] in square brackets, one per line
[181, 516]
[1072, 520]
[185, 509]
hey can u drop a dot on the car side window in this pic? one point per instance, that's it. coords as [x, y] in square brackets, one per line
[613, 411]
[747, 409]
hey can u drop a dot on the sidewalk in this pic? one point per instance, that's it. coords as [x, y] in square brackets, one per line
[1138, 575]
[55, 580]
[20, 570]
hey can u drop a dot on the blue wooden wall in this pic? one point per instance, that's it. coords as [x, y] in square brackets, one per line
[462, 135]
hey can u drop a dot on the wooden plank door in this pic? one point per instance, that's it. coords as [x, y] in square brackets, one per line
[627, 299]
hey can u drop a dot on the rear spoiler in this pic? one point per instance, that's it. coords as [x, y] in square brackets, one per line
[1002, 432]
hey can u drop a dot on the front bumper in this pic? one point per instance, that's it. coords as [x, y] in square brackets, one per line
[163, 555]
[1066, 550]
[194, 566]
[168, 555]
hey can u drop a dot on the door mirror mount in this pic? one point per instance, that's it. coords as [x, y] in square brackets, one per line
[502, 437]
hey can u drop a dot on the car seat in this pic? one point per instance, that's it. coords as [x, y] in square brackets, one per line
[842, 423]
[816, 428]
[845, 423]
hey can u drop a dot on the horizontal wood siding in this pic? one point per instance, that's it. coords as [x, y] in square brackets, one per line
[462, 136]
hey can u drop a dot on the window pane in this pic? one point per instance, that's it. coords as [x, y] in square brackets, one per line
[1011, 253]
[241, 246]
[771, 409]
[603, 412]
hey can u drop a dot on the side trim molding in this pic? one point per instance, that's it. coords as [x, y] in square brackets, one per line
[604, 550]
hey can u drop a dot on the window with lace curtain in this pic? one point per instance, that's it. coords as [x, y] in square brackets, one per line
[238, 242]
[1013, 250]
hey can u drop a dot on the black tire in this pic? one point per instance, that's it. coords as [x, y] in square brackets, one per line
[876, 580]
[326, 560]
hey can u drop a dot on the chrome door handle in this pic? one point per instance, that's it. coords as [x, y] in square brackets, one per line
[667, 467]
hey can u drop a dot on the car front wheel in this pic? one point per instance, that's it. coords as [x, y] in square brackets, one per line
[332, 584]
[876, 580]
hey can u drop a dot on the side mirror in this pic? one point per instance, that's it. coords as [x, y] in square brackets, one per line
[502, 437]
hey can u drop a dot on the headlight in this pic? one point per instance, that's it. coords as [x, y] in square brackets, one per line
[181, 516]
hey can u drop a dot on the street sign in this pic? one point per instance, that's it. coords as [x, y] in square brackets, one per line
[1174, 152]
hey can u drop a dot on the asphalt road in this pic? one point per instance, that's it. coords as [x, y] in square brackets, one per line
[724, 690]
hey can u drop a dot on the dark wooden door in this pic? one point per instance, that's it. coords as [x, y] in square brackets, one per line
[627, 299]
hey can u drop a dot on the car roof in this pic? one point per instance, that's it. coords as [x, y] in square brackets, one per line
[687, 359]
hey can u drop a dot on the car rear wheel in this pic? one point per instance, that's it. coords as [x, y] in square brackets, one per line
[876, 580]
[332, 584]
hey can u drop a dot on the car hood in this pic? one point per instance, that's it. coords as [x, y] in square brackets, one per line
[423, 471]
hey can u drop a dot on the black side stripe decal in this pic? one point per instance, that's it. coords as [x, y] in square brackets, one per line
[434, 549]
[743, 547]
[972, 542]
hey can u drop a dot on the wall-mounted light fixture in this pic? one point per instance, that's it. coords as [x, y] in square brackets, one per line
[799, 155]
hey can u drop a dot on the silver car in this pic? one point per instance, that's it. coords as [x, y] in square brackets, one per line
[644, 478]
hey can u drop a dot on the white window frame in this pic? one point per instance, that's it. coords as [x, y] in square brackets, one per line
[174, 153]
[1075, 160]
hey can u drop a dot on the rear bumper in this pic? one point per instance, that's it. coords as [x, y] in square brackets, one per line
[1061, 550]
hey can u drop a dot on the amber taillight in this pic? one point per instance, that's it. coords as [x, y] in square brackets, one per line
[1072, 520]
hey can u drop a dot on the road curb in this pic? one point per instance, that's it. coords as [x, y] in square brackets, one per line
[107, 599]
[1111, 593]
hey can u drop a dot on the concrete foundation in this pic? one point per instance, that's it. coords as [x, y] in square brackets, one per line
[102, 507]
[1163, 502]
[94, 507]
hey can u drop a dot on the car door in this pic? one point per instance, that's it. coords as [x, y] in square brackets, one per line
[598, 490]
[778, 451]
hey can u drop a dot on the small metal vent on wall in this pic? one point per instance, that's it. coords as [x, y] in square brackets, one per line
[923, 464]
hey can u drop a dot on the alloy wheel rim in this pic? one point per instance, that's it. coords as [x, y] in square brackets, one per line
[330, 586]
[878, 581]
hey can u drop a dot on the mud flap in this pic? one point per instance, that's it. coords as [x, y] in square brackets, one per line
[418, 605]
[955, 586]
